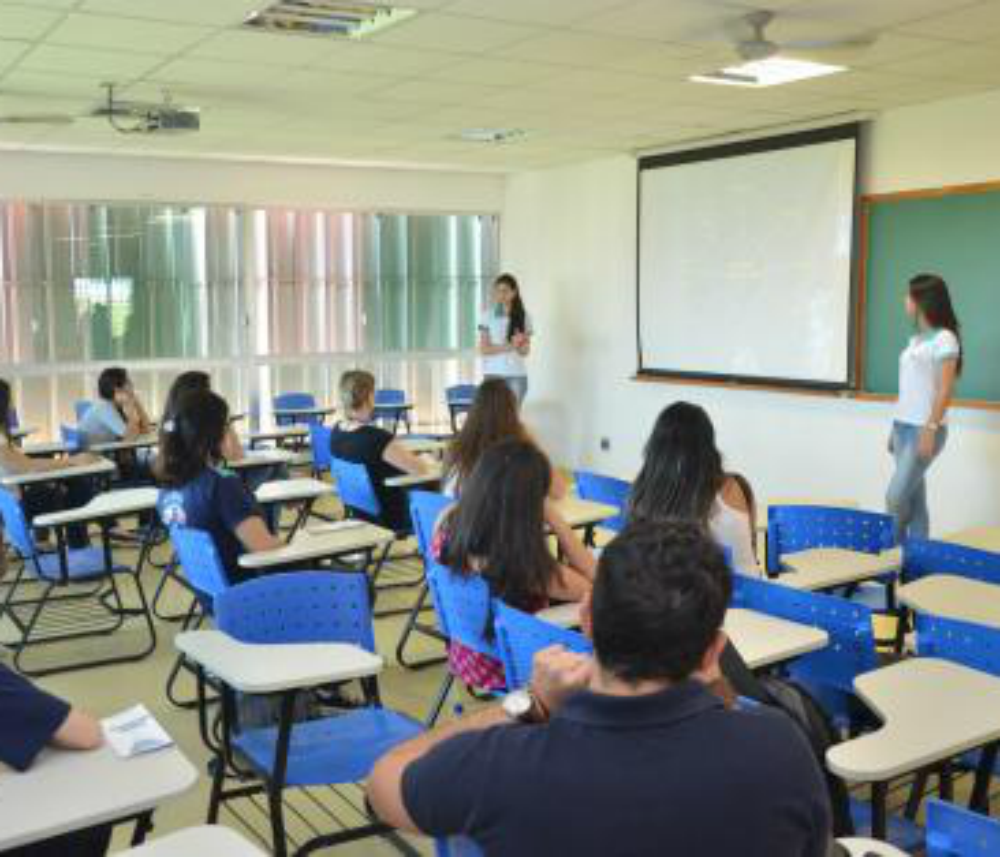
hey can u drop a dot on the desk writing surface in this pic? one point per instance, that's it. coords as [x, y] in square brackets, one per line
[980, 538]
[145, 440]
[857, 847]
[954, 598]
[261, 458]
[98, 468]
[824, 568]
[45, 448]
[290, 490]
[69, 790]
[109, 504]
[317, 543]
[931, 710]
[206, 840]
[584, 513]
[763, 640]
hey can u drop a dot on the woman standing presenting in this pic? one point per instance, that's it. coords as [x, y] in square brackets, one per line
[928, 368]
[505, 336]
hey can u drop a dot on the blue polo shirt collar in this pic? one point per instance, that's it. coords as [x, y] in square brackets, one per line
[680, 702]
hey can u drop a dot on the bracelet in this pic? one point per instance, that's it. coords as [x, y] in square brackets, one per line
[933, 426]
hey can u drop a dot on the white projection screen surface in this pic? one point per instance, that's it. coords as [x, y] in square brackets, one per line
[745, 260]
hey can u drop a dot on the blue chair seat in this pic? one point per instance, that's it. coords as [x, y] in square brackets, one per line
[81, 564]
[906, 835]
[333, 750]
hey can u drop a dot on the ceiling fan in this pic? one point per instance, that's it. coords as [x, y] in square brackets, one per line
[751, 43]
[126, 117]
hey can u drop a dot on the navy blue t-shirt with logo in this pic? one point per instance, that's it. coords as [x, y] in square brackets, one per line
[217, 502]
[29, 718]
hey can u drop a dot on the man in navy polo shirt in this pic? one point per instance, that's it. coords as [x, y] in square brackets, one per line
[30, 720]
[630, 753]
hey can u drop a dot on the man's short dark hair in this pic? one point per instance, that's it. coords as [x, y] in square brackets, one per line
[110, 381]
[660, 597]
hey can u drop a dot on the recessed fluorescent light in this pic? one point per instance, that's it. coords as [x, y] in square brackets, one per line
[491, 135]
[770, 72]
[348, 19]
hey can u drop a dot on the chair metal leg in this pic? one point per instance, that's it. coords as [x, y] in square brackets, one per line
[440, 699]
[414, 625]
[979, 800]
[276, 782]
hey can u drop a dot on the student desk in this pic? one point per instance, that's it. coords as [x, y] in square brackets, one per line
[98, 468]
[434, 474]
[868, 848]
[109, 504]
[304, 492]
[66, 791]
[932, 710]
[980, 538]
[257, 458]
[21, 432]
[424, 445]
[321, 543]
[279, 434]
[208, 840]
[46, 449]
[396, 411]
[954, 598]
[764, 640]
[320, 411]
[828, 568]
[143, 441]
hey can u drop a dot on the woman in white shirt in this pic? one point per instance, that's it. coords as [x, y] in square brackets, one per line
[505, 333]
[682, 477]
[928, 368]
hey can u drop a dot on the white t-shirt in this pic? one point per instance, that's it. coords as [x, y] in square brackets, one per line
[920, 374]
[494, 322]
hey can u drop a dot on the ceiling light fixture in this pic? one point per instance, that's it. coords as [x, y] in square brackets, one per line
[773, 71]
[491, 135]
[340, 18]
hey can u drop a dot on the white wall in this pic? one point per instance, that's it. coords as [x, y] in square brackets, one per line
[32, 175]
[569, 234]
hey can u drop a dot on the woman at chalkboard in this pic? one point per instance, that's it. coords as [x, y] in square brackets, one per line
[505, 333]
[928, 368]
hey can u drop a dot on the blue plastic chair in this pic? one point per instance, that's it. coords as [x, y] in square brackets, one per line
[607, 490]
[459, 398]
[355, 488]
[925, 557]
[520, 636]
[80, 408]
[457, 846]
[389, 404]
[956, 832]
[296, 400]
[297, 608]
[74, 583]
[830, 672]
[426, 507]
[319, 441]
[464, 609]
[72, 438]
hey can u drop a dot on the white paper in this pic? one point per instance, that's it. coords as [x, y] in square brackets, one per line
[336, 526]
[135, 731]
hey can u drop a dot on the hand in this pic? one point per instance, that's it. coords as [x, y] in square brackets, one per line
[123, 397]
[557, 675]
[925, 445]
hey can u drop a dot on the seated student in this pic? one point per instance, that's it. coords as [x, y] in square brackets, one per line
[194, 381]
[357, 440]
[197, 493]
[117, 414]
[41, 498]
[682, 477]
[494, 416]
[628, 752]
[30, 720]
[498, 529]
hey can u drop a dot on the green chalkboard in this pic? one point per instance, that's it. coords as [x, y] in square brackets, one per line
[956, 234]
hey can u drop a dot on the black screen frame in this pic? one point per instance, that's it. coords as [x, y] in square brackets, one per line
[794, 140]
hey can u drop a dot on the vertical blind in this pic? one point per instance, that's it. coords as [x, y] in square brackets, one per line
[268, 299]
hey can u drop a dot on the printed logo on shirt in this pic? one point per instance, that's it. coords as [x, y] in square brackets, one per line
[172, 509]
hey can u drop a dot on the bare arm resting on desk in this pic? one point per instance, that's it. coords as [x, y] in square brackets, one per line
[79, 731]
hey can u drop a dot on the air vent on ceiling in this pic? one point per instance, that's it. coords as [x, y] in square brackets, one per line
[491, 135]
[339, 18]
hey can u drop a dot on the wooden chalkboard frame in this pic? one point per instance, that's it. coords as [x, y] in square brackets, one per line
[868, 201]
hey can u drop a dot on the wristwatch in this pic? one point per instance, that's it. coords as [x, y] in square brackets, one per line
[933, 426]
[524, 707]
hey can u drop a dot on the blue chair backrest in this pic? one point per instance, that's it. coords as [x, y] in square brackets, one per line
[922, 557]
[319, 440]
[974, 646]
[299, 607]
[798, 528]
[460, 393]
[80, 408]
[355, 488]
[426, 508]
[71, 437]
[200, 563]
[851, 649]
[457, 846]
[390, 396]
[15, 525]
[463, 607]
[291, 401]
[953, 831]
[607, 490]
[520, 635]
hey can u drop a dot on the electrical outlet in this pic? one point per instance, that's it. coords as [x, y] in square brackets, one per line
[605, 444]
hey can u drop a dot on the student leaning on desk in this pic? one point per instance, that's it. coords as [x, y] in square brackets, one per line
[30, 720]
[43, 497]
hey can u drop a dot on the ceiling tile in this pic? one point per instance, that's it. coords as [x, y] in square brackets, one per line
[549, 12]
[455, 33]
[436, 92]
[368, 58]
[104, 31]
[493, 72]
[11, 51]
[100, 64]
[572, 48]
[41, 85]
[972, 23]
[210, 13]
[973, 64]
[673, 21]
[263, 48]
[866, 15]
[21, 22]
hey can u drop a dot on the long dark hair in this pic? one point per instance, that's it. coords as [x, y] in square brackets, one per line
[492, 418]
[498, 526]
[5, 408]
[191, 439]
[930, 294]
[186, 382]
[682, 470]
[110, 381]
[518, 319]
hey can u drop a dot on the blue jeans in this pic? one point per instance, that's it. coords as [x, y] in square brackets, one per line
[518, 385]
[906, 498]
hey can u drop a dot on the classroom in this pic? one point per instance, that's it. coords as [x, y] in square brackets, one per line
[499, 427]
